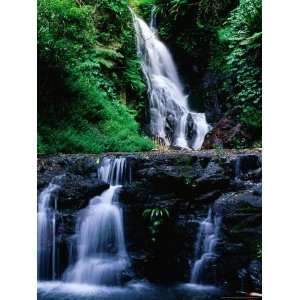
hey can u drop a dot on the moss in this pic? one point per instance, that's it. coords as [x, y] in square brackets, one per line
[186, 160]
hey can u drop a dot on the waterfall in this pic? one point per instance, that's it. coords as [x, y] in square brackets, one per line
[46, 218]
[101, 250]
[205, 246]
[153, 19]
[171, 120]
[237, 168]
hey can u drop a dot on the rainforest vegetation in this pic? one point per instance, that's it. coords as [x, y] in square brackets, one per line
[91, 92]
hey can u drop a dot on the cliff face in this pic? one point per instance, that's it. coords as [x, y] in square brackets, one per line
[187, 184]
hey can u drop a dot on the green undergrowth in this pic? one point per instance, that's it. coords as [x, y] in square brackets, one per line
[90, 89]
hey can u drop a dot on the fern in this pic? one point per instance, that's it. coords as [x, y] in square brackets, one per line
[108, 52]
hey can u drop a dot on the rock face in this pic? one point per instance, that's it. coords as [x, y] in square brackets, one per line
[227, 132]
[187, 184]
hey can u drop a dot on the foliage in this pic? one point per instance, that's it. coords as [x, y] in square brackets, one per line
[190, 24]
[155, 218]
[87, 68]
[242, 33]
[240, 143]
[189, 181]
[259, 250]
[257, 144]
[160, 145]
[220, 153]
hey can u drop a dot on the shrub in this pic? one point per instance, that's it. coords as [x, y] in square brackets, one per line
[86, 64]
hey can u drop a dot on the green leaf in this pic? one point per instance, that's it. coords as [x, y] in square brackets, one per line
[156, 223]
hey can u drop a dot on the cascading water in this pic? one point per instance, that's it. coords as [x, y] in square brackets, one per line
[46, 232]
[170, 117]
[205, 246]
[102, 255]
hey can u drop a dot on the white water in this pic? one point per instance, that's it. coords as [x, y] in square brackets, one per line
[205, 246]
[102, 255]
[171, 120]
[46, 219]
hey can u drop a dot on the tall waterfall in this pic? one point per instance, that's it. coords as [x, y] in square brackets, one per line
[205, 246]
[46, 219]
[102, 255]
[171, 120]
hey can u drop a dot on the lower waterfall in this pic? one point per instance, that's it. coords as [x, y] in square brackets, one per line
[101, 250]
[46, 221]
[205, 246]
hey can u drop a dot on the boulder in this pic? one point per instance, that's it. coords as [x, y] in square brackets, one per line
[227, 131]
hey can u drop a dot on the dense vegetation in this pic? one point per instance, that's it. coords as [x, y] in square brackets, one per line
[87, 69]
[91, 93]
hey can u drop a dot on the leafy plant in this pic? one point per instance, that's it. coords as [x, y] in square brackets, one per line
[259, 250]
[155, 218]
[239, 143]
[242, 34]
[221, 154]
[188, 180]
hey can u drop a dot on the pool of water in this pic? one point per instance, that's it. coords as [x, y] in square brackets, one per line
[56, 290]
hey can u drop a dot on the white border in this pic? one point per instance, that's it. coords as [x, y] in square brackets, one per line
[18, 150]
[281, 180]
[281, 151]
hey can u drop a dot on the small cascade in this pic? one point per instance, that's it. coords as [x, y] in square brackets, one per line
[101, 250]
[46, 218]
[171, 120]
[205, 246]
[237, 168]
[153, 19]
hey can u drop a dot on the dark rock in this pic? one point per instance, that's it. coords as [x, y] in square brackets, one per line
[227, 131]
[191, 130]
[170, 125]
[127, 275]
[241, 234]
[77, 190]
[255, 274]
[208, 197]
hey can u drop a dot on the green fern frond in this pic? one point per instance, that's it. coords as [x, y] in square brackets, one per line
[108, 52]
[106, 62]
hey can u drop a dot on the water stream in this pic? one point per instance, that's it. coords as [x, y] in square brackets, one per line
[46, 225]
[171, 120]
[205, 246]
[102, 255]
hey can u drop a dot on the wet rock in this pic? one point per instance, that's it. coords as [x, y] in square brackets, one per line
[191, 130]
[207, 197]
[227, 131]
[127, 275]
[241, 235]
[77, 190]
[170, 125]
[255, 274]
